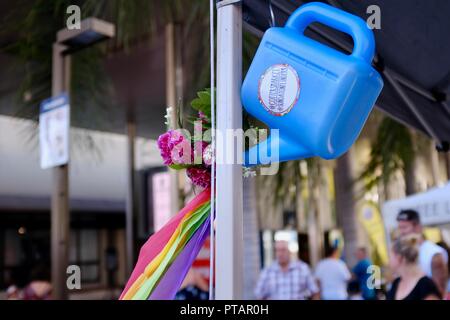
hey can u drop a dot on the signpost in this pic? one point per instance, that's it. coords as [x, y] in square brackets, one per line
[54, 139]
[54, 124]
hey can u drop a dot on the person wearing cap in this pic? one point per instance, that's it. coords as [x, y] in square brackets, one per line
[432, 258]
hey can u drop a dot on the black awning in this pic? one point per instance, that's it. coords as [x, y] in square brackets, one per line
[413, 50]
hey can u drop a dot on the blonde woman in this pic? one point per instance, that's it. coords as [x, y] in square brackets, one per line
[412, 283]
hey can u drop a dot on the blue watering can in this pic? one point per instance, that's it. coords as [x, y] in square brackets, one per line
[317, 97]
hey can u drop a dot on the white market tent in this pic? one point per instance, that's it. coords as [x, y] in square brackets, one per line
[433, 207]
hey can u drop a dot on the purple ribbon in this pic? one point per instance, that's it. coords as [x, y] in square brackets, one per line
[171, 282]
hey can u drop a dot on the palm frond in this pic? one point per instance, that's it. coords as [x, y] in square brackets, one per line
[391, 150]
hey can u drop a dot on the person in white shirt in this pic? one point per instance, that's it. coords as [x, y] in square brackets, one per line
[432, 258]
[332, 275]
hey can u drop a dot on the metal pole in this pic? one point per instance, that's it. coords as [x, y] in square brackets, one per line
[229, 189]
[130, 203]
[171, 101]
[412, 107]
[60, 216]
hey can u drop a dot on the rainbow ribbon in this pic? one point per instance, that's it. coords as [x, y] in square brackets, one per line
[166, 257]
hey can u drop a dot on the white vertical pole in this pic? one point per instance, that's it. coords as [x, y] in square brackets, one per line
[229, 191]
[212, 58]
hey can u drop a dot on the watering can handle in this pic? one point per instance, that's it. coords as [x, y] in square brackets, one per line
[364, 42]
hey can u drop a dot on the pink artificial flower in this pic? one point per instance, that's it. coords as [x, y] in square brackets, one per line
[199, 151]
[199, 176]
[199, 123]
[201, 115]
[207, 155]
[182, 153]
[198, 127]
[174, 148]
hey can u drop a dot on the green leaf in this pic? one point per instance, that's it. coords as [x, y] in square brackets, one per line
[203, 102]
[179, 166]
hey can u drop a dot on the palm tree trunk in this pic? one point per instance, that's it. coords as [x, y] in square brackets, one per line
[447, 164]
[346, 214]
[434, 163]
[326, 221]
[315, 234]
[410, 178]
[300, 205]
[410, 169]
[252, 259]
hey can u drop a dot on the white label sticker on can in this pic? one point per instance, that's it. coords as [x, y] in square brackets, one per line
[279, 89]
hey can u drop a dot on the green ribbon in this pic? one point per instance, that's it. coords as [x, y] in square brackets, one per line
[188, 228]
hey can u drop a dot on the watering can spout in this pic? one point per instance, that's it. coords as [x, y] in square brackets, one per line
[276, 148]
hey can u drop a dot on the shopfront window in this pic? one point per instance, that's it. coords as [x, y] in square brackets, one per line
[84, 252]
